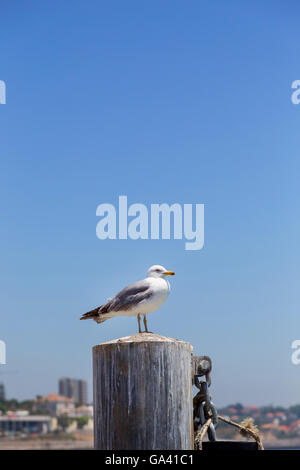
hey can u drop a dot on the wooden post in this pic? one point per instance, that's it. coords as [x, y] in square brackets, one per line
[143, 394]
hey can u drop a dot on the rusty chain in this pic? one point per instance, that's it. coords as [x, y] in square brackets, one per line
[205, 413]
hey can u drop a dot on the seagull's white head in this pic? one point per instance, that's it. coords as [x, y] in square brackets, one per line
[159, 271]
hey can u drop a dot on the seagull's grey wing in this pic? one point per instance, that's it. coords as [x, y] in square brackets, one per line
[129, 297]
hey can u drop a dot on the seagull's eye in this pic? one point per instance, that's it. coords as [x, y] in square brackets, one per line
[157, 270]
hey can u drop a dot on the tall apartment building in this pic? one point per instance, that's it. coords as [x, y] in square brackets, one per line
[73, 388]
[2, 392]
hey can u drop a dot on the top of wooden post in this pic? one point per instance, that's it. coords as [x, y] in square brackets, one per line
[144, 338]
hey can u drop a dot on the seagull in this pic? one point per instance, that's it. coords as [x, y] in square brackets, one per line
[137, 299]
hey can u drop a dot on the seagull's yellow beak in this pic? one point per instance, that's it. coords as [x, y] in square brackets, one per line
[169, 273]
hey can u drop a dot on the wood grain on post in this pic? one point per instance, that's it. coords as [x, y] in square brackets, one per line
[143, 393]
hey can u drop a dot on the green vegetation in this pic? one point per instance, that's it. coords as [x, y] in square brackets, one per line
[14, 405]
[82, 421]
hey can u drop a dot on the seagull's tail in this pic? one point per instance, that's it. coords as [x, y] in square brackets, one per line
[96, 315]
[91, 314]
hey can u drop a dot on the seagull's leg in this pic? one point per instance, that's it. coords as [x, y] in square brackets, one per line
[139, 322]
[145, 323]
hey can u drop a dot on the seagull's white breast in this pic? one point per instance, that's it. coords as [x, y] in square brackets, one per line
[161, 290]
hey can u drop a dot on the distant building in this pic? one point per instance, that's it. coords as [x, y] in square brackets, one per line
[84, 410]
[73, 388]
[10, 424]
[2, 392]
[55, 405]
[17, 413]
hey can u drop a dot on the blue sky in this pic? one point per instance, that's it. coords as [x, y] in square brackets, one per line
[163, 102]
